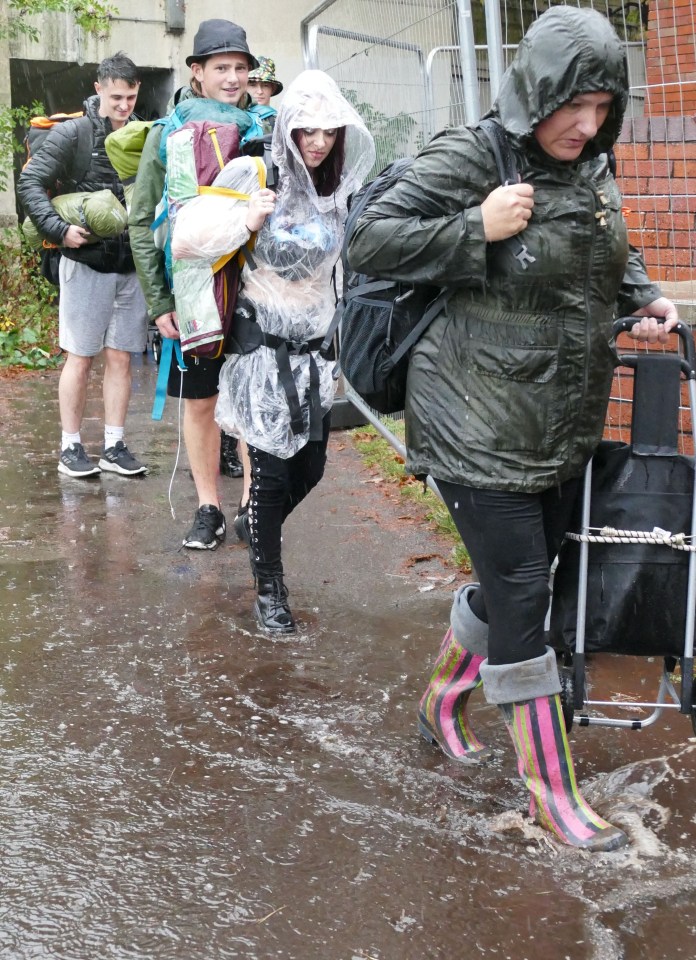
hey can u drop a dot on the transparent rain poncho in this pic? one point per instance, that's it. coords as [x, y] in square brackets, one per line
[291, 290]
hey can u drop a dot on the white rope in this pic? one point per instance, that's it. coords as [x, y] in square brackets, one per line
[656, 536]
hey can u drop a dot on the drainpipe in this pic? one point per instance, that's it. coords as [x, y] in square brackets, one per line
[494, 38]
[467, 56]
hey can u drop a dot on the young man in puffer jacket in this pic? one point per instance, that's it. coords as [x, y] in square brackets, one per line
[101, 308]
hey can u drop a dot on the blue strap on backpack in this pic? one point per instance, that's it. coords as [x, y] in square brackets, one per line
[169, 346]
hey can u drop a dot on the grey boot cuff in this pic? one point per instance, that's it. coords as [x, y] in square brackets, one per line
[468, 630]
[517, 682]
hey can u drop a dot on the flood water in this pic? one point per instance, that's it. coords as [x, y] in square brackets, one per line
[175, 786]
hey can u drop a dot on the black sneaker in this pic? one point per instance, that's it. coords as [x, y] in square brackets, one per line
[241, 524]
[208, 530]
[119, 459]
[230, 464]
[74, 462]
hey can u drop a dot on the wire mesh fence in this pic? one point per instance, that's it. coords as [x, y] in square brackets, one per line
[413, 67]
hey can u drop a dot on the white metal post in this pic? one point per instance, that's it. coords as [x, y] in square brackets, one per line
[465, 29]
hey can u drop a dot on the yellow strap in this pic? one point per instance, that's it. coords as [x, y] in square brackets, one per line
[225, 258]
[261, 173]
[212, 133]
[224, 192]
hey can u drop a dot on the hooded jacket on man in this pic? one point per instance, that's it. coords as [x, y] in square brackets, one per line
[54, 164]
[508, 389]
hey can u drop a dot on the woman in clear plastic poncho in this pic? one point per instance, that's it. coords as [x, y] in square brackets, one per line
[276, 392]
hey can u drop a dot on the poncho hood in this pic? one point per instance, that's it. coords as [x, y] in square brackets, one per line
[566, 52]
[313, 100]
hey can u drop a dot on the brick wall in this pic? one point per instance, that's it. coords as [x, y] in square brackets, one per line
[671, 59]
[656, 166]
[656, 153]
[656, 170]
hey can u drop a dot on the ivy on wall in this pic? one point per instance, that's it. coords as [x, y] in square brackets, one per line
[93, 16]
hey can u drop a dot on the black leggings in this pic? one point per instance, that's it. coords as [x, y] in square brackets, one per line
[512, 538]
[277, 486]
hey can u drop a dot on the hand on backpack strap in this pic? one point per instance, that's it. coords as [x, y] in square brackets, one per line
[168, 326]
[506, 211]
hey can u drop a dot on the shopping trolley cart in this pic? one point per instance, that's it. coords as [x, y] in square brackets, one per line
[625, 582]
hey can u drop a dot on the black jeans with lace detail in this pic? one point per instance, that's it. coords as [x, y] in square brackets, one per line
[277, 486]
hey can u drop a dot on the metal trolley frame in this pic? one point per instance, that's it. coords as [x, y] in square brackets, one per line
[573, 678]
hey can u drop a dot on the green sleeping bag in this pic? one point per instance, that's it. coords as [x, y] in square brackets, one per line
[100, 212]
[125, 146]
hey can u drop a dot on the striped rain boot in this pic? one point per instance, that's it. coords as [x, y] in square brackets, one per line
[442, 718]
[546, 767]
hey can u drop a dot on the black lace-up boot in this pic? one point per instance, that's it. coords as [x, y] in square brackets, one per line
[230, 464]
[271, 608]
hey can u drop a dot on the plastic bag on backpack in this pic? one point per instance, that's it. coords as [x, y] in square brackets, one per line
[215, 223]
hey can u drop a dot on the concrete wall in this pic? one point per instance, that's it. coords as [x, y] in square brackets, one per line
[150, 33]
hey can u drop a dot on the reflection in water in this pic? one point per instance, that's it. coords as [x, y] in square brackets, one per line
[174, 785]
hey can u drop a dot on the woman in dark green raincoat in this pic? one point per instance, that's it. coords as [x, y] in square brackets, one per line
[508, 388]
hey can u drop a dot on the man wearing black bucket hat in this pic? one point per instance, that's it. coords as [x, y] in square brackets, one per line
[220, 65]
[220, 36]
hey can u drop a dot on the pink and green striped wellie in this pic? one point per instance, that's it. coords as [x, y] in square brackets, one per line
[442, 717]
[544, 762]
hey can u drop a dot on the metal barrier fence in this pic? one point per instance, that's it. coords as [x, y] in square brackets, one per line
[416, 66]
[412, 67]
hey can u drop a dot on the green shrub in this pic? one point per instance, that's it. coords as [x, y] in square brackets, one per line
[28, 308]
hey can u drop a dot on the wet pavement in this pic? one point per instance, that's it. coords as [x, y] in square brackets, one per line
[175, 785]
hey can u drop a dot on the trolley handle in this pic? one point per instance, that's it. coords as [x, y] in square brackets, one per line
[682, 330]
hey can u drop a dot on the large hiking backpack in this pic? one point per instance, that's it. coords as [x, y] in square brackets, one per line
[195, 156]
[381, 320]
[205, 295]
[39, 128]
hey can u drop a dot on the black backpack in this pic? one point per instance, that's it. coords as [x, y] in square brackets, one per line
[39, 127]
[381, 320]
[261, 147]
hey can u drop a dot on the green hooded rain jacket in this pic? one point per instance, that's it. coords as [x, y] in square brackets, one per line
[508, 388]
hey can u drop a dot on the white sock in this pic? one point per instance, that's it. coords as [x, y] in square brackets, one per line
[112, 435]
[68, 438]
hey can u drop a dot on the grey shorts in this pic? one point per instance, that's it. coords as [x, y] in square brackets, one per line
[98, 310]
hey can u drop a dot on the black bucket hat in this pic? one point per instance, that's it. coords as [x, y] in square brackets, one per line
[220, 36]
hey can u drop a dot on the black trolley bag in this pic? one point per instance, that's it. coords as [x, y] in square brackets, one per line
[625, 582]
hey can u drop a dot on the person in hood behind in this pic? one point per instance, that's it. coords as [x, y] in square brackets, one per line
[101, 307]
[276, 392]
[220, 65]
[508, 389]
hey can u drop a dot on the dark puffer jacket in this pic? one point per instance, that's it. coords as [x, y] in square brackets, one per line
[51, 170]
[508, 390]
